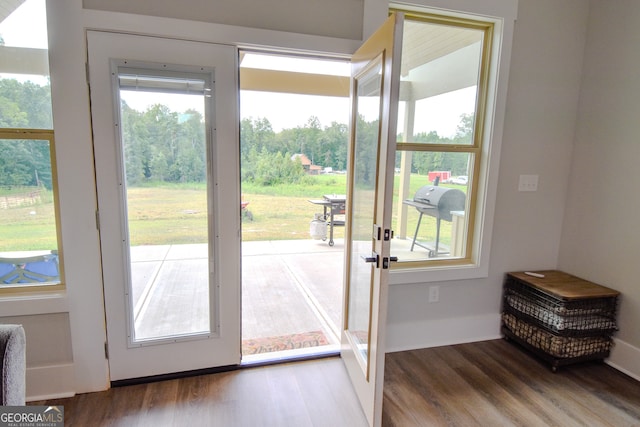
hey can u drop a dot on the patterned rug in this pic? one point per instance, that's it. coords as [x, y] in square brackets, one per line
[284, 342]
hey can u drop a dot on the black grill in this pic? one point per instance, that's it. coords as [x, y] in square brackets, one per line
[437, 202]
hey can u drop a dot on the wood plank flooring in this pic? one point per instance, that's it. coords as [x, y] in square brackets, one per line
[495, 383]
[491, 383]
[310, 393]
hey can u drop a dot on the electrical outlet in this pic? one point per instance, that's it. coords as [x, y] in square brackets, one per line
[528, 183]
[434, 293]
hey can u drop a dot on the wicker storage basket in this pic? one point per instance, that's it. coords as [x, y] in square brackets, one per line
[567, 318]
[557, 346]
[559, 317]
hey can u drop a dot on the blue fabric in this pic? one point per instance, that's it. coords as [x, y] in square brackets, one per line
[30, 270]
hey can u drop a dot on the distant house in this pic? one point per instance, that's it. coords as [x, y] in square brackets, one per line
[307, 164]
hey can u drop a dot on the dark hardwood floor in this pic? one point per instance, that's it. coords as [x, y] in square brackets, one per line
[492, 383]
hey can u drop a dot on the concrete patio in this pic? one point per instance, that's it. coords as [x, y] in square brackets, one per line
[288, 287]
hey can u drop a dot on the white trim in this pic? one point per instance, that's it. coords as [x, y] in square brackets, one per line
[74, 156]
[504, 9]
[242, 37]
[442, 332]
[32, 304]
[438, 274]
[461, 330]
[50, 382]
[625, 358]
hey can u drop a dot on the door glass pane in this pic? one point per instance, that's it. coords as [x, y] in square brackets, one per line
[164, 153]
[439, 84]
[24, 69]
[368, 90]
[28, 232]
[434, 192]
[430, 205]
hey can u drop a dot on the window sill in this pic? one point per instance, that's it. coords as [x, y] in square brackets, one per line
[437, 274]
[34, 303]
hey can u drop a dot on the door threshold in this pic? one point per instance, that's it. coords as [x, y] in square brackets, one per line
[251, 361]
[173, 376]
[297, 355]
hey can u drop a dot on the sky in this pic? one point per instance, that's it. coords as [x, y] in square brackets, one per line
[286, 111]
[27, 28]
[440, 114]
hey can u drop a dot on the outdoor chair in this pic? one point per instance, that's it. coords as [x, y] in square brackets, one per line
[33, 269]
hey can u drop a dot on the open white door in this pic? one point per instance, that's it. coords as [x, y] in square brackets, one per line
[375, 85]
[165, 124]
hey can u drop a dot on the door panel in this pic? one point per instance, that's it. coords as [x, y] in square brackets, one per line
[365, 155]
[165, 141]
[374, 94]
[169, 273]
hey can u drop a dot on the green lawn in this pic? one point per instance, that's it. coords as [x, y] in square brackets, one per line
[27, 227]
[177, 214]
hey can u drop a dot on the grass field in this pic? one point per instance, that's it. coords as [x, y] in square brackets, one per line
[177, 214]
[29, 226]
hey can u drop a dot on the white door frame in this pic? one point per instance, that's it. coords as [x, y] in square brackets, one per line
[222, 346]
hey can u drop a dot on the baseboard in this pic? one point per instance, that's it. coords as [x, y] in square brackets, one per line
[50, 382]
[441, 332]
[625, 358]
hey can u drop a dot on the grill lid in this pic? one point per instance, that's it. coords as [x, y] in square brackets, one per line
[439, 201]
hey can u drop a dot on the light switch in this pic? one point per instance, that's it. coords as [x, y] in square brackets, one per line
[528, 183]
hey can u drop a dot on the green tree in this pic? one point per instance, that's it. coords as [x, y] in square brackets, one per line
[14, 164]
[277, 168]
[163, 145]
[366, 152]
[335, 144]
[464, 131]
[25, 163]
[25, 105]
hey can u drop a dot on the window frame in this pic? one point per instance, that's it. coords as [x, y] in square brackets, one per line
[28, 288]
[481, 199]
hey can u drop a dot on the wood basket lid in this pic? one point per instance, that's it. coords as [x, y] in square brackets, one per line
[564, 285]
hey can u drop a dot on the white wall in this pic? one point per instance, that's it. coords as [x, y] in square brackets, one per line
[601, 236]
[332, 18]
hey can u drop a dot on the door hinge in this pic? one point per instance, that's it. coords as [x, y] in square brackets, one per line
[86, 71]
[98, 220]
[106, 351]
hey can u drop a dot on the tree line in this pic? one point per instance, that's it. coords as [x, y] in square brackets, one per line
[25, 162]
[265, 152]
[161, 145]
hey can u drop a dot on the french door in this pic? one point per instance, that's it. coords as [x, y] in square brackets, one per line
[375, 84]
[165, 123]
